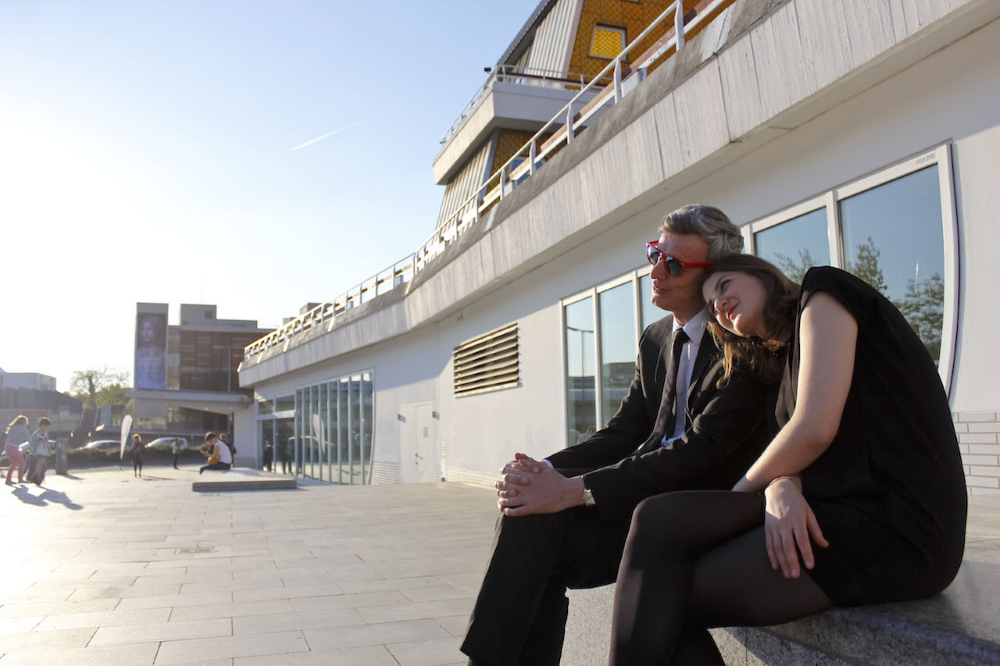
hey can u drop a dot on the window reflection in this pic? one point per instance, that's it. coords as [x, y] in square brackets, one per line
[580, 362]
[367, 416]
[796, 245]
[355, 420]
[324, 431]
[894, 241]
[618, 346]
[345, 433]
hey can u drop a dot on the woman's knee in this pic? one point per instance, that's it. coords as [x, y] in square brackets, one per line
[659, 512]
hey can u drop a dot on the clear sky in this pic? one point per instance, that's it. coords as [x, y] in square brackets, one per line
[147, 153]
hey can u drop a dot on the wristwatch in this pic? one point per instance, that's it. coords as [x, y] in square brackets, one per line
[588, 497]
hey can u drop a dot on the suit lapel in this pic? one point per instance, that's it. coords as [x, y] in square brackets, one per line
[707, 353]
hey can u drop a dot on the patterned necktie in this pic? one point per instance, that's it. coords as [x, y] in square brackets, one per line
[666, 417]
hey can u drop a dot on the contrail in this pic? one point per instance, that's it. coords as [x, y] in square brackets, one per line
[328, 135]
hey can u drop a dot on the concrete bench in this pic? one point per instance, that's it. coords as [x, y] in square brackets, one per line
[241, 479]
[960, 626]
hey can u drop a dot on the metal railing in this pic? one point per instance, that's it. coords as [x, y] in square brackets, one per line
[514, 74]
[569, 119]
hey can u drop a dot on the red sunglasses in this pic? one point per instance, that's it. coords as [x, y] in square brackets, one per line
[674, 266]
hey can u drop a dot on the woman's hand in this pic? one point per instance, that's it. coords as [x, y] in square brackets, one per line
[788, 523]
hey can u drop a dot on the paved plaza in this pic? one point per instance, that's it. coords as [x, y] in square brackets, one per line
[102, 568]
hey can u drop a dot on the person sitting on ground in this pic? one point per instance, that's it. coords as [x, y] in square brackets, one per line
[860, 497]
[17, 434]
[136, 449]
[38, 449]
[218, 454]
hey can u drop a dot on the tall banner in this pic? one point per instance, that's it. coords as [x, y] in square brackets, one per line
[151, 351]
[126, 426]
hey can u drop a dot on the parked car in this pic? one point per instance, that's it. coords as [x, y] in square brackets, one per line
[104, 444]
[167, 443]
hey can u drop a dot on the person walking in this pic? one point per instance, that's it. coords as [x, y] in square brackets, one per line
[176, 450]
[136, 449]
[17, 434]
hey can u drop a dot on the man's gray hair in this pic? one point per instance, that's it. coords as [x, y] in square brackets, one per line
[721, 235]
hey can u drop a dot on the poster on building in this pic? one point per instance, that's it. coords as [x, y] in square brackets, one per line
[151, 351]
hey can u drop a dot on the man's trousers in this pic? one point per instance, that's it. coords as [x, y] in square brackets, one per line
[520, 615]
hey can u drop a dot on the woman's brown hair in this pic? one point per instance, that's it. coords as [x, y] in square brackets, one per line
[765, 356]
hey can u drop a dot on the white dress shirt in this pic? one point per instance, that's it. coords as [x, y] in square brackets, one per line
[695, 329]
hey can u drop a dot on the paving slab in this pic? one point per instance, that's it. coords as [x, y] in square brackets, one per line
[111, 569]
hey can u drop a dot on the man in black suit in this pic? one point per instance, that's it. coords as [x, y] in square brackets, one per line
[565, 519]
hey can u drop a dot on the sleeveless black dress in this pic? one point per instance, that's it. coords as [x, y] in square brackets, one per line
[889, 492]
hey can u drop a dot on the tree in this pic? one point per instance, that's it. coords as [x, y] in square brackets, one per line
[795, 271]
[923, 307]
[865, 266]
[99, 385]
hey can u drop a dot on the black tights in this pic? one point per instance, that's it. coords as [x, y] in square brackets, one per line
[696, 560]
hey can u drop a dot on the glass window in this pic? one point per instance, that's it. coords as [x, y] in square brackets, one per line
[355, 419]
[284, 445]
[580, 362]
[367, 416]
[265, 407]
[650, 312]
[894, 240]
[333, 433]
[313, 429]
[618, 346]
[299, 431]
[796, 245]
[609, 41]
[265, 435]
[345, 432]
[323, 435]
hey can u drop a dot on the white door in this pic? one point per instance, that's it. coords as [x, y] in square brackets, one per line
[417, 435]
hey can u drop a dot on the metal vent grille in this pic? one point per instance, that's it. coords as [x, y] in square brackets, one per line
[487, 363]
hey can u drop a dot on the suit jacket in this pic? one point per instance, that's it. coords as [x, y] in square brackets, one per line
[727, 429]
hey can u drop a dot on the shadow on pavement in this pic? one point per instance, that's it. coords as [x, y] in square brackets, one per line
[45, 497]
[60, 497]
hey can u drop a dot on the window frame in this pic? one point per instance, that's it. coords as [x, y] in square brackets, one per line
[593, 293]
[939, 155]
[622, 31]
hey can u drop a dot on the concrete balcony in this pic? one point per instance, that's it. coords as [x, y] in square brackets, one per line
[507, 101]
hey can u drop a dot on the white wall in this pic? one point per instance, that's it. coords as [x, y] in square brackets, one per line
[245, 439]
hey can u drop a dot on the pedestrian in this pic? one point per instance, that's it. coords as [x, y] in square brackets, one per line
[268, 456]
[17, 434]
[38, 450]
[176, 450]
[136, 449]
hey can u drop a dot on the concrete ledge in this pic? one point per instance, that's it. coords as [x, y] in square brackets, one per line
[241, 479]
[960, 626]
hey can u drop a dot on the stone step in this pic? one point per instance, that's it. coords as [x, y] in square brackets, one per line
[241, 479]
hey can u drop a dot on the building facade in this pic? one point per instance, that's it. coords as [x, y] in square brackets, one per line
[857, 134]
[186, 379]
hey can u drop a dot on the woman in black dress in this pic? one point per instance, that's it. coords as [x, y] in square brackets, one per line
[860, 497]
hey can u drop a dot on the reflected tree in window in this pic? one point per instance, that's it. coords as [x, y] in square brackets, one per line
[795, 269]
[797, 244]
[903, 252]
[865, 266]
[923, 307]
